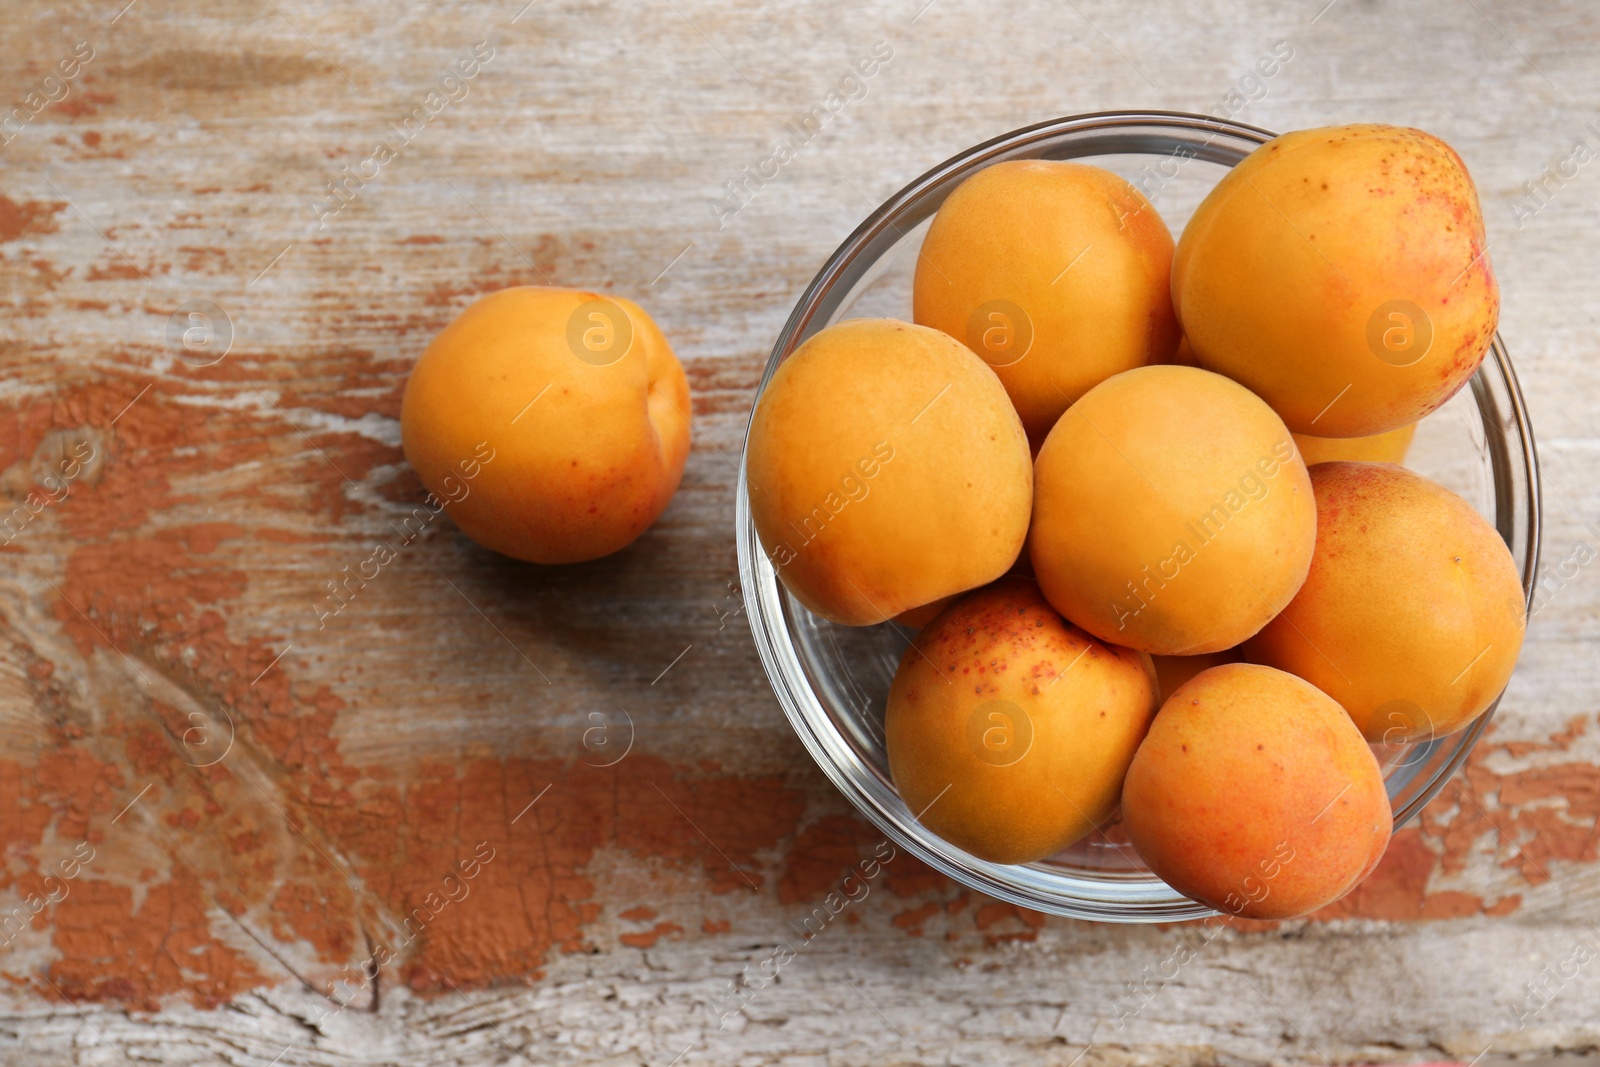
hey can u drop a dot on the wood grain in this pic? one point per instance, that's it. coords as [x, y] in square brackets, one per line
[269, 795]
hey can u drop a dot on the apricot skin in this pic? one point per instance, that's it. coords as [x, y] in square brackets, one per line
[1029, 721]
[1073, 266]
[886, 470]
[1390, 447]
[586, 454]
[1412, 615]
[1171, 512]
[1292, 271]
[1255, 795]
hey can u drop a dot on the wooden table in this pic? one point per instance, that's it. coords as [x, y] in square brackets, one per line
[223, 796]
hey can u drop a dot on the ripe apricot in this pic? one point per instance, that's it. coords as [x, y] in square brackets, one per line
[1253, 793]
[1171, 512]
[1056, 273]
[580, 401]
[1341, 274]
[1390, 447]
[886, 469]
[1412, 615]
[1008, 729]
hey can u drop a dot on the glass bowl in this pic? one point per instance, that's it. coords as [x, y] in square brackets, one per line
[832, 680]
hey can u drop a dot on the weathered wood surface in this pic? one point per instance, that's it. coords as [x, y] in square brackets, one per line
[236, 800]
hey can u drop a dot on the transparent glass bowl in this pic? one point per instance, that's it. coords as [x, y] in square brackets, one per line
[832, 680]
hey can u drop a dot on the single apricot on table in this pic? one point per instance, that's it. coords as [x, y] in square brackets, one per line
[886, 469]
[552, 423]
[1254, 794]
[1008, 729]
[1172, 513]
[1341, 274]
[1412, 615]
[1058, 274]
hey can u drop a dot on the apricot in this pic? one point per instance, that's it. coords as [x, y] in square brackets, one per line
[1008, 729]
[1390, 447]
[1172, 671]
[1254, 794]
[886, 469]
[1171, 512]
[1057, 274]
[1412, 615]
[1340, 273]
[553, 423]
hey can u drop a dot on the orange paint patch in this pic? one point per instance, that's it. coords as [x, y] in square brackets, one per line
[112, 949]
[909, 877]
[443, 870]
[309, 912]
[995, 912]
[29, 216]
[913, 919]
[648, 940]
[823, 853]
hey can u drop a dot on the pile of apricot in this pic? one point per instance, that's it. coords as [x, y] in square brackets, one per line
[1082, 472]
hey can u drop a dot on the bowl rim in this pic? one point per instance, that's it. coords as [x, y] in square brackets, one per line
[805, 309]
